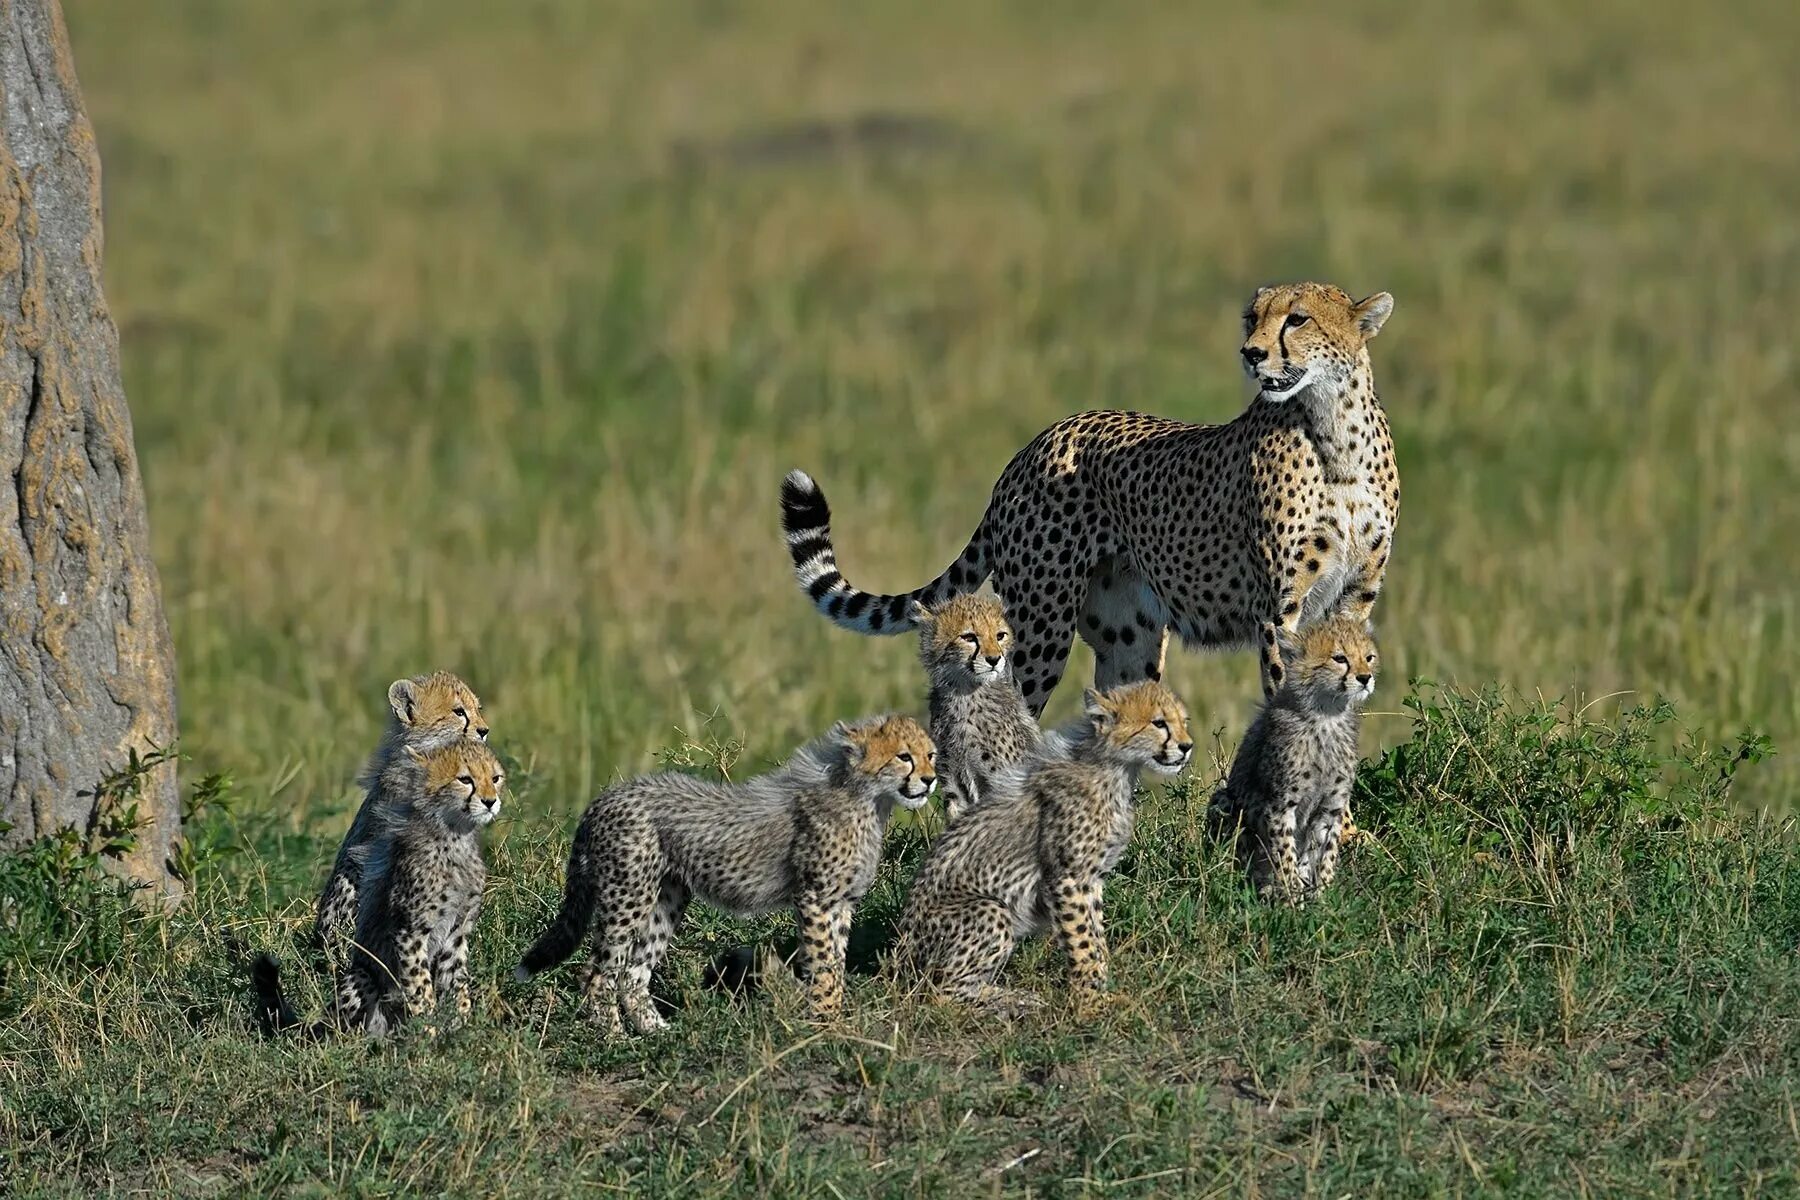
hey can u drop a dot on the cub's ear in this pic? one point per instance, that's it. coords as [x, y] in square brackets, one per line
[1097, 706]
[415, 755]
[846, 734]
[1372, 313]
[1287, 645]
[403, 695]
[920, 615]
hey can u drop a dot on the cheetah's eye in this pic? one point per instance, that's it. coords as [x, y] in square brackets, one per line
[971, 638]
[1296, 320]
[1159, 723]
[905, 756]
[1340, 659]
[460, 711]
[466, 779]
[1000, 636]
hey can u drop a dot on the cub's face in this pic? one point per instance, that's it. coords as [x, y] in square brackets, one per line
[436, 709]
[897, 751]
[462, 782]
[1145, 722]
[1300, 334]
[966, 635]
[1334, 663]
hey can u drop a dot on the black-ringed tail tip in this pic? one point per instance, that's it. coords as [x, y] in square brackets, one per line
[806, 524]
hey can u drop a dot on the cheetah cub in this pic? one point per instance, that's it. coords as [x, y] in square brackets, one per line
[807, 835]
[1036, 851]
[429, 712]
[1290, 783]
[979, 721]
[421, 874]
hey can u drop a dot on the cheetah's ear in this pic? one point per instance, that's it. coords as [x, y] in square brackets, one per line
[402, 696]
[845, 734]
[1096, 706]
[1288, 645]
[416, 755]
[920, 615]
[1372, 313]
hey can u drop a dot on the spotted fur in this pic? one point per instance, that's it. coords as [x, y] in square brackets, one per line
[1288, 795]
[421, 875]
[1122, 526]
[428, 712]
[1035, 853]
[807, 835]
[979, 721]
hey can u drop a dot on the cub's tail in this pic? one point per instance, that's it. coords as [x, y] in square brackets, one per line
[274, 1015]
[577, 912]
[806, 521]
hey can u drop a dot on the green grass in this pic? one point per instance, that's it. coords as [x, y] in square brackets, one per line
[479, 336]
[1566, 968]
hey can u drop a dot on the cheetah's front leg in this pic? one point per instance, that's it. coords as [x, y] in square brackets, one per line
[821, 962]
[1360, 595]
[1275, 869]
[451, 974]
[1324, 834]
[413, 961]
[1294, 566]
[1075, 907]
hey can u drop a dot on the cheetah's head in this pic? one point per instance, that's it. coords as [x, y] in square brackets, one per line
[1302, 334]
[436, 709]
[1333, 663]
[964, 637]
[893, 751]
[462, 783]
[1143, 722]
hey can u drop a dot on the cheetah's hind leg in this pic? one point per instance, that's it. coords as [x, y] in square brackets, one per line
[652, 946]
[975, 939]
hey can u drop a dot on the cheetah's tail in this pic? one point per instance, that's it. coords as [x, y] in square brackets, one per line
[575, 916]
[274, 1015]
[806, 522]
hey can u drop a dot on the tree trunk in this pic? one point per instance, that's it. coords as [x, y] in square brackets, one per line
[86, 667]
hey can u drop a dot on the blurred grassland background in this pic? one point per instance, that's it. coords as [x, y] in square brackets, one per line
[479, 336]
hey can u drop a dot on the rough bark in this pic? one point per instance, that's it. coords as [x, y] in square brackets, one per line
[86, 666]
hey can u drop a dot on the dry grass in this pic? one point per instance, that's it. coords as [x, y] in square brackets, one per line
[481, 340]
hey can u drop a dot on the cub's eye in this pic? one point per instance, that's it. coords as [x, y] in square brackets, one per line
[971, 639]
[1338, 658]
[460, 711]
[466, 779]
[1159, 723]
[1369, 658]
[498, 780]
[905, 757]
[1000, 636]
[1296, 320]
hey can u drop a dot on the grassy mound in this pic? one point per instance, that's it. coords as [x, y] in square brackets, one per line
[1566, 964]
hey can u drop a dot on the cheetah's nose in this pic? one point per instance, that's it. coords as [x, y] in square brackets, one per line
[1184, 747]
[1364, 679]
[1254, 354]
[492, 802]
[481, 731]
[993, 660]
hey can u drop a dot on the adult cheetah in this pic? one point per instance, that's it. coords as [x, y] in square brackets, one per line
[1123, 526]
